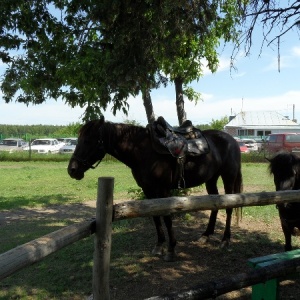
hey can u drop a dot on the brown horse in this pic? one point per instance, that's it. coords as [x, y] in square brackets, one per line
[157, 174]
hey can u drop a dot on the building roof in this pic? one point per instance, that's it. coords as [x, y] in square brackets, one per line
[261, 119]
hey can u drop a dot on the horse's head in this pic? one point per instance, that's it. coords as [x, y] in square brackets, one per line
[89, 150]
[286, 170]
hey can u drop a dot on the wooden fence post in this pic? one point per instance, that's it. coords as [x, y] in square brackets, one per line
[102, 239]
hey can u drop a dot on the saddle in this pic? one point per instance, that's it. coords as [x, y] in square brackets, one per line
[181, 141]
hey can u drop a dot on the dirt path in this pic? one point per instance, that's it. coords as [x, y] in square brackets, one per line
[195, 264]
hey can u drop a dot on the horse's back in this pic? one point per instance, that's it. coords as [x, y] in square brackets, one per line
[223, 159]
[223, 145]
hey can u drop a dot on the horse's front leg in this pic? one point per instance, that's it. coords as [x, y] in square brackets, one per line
[287, 231]
[170, 255]
[159, 247]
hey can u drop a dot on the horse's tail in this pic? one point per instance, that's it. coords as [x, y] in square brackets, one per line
[238, 184]
[238, 188]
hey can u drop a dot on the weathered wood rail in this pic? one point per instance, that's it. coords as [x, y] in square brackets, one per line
[172, 205]
[215, 288]
[33, 251]
[29, 253]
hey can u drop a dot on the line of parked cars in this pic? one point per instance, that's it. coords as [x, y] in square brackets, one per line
[43, 146]
[274, 143]
[249, 145]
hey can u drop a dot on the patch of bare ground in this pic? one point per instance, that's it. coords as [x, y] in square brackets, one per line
[146, 276]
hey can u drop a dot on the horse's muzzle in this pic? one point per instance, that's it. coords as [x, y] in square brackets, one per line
[74, 172]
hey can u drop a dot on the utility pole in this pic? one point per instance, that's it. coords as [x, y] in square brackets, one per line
[294, 120]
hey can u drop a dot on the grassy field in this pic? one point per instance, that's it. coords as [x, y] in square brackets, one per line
[29, 184]
[43, 185]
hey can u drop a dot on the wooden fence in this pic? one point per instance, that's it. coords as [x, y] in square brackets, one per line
[107, 212]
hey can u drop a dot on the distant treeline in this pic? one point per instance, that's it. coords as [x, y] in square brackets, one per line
[28, 131]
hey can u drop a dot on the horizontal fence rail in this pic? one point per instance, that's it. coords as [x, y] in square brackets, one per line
[219, 287]
[34, 251]
[171, 205]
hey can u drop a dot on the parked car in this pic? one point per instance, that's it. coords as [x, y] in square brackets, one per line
[251, 144]
[69, 147]
[12, 145]
[289, 142]
[65, 140]
[243, 147]
[260, 144]
[44, 146]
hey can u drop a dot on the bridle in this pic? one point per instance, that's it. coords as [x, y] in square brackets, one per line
[85, 162]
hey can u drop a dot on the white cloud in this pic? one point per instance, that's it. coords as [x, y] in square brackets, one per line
[224, 64]
[296, 51]
[208, 109]
[51, 113]
[57, 113]
[280, 61]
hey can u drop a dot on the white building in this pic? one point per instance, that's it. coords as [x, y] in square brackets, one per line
[259, 124]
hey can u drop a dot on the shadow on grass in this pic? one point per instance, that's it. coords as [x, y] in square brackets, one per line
[135, 274]
[31, 201]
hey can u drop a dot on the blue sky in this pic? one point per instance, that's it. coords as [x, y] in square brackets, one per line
[256, 85]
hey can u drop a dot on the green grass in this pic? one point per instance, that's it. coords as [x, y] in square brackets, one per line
[67, 274]
[30, 184]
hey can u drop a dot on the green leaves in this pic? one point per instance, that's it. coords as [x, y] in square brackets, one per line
[93, 53]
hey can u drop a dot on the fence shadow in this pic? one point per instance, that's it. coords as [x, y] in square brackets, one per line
[135, 274]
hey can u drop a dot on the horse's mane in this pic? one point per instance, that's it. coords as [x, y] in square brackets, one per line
[284, 160]
[86, 127]
[122, 128]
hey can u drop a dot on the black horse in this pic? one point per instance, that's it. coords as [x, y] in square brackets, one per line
[157, 174]
[286, 170]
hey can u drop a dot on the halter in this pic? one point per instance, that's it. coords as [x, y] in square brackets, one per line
[85, 161]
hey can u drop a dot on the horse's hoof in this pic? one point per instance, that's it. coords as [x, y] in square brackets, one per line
[170, 256]
[158, 250]
[203, 239]
[224, 245]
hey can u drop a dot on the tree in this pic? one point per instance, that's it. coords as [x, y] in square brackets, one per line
[276, 18]
[193, 33]
[214, 124]
[93, 53]
[219, 124]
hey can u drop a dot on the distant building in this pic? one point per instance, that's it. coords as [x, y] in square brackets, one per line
[259, 124]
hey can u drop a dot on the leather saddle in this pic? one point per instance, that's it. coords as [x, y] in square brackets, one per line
[181, 141]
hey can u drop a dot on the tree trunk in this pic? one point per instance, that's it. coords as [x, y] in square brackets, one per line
[148, 105]
[179, 100]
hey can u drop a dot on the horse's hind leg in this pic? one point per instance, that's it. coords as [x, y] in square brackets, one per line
[230, 186]
[227, 231]
[211, 187]
[210, 229]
